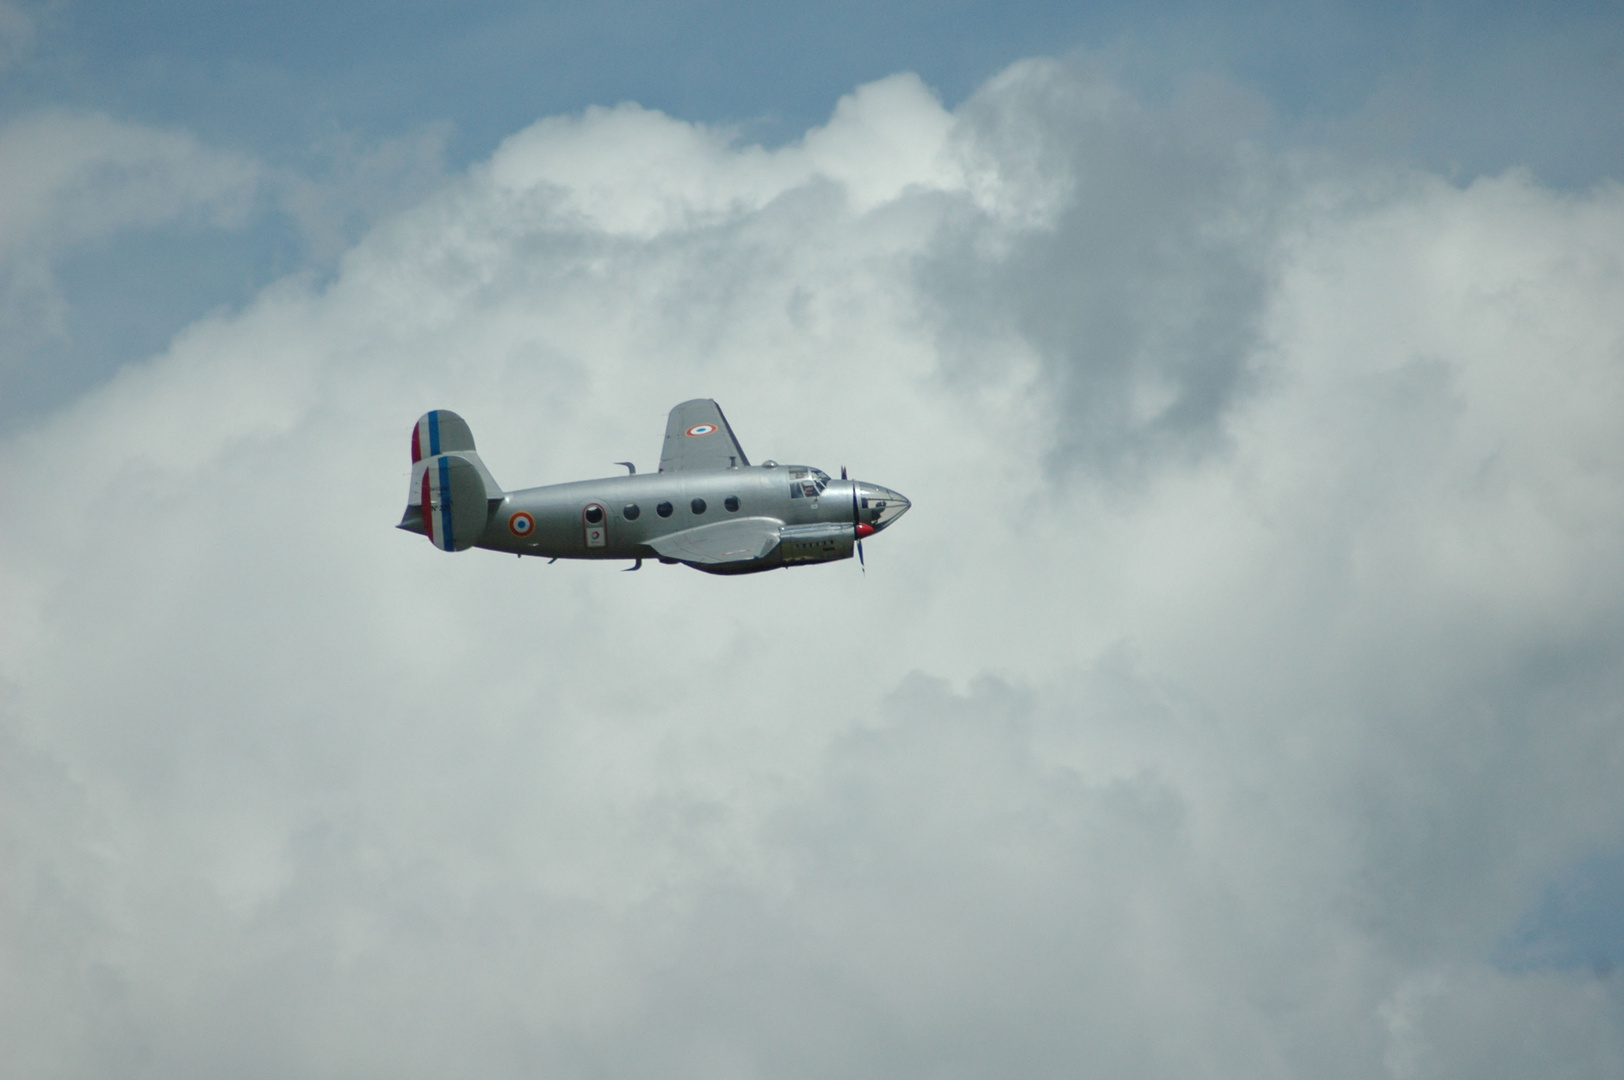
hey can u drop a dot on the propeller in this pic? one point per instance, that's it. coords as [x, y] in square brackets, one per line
[862, 565]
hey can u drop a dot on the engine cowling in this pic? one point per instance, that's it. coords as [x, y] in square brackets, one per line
[822, 542]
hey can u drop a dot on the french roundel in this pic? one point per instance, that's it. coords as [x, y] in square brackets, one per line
[521, 524]
[702, 429]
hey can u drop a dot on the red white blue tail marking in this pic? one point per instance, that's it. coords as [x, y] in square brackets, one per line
[437, 504]
[426, 436]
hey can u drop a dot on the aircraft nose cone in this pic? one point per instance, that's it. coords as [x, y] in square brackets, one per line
[878, 507]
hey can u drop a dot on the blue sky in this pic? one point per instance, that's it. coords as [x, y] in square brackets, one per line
[1241, 696]
[1494, 85]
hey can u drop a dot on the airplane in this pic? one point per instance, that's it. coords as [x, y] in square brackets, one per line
[707, 507]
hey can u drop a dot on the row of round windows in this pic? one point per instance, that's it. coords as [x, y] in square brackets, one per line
[632, 511]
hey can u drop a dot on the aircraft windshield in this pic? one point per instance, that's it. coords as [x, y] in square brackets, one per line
[807, 483]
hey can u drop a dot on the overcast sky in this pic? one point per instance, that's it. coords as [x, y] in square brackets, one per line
[1243, 695]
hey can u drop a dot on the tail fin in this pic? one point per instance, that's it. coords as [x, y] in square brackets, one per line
[440, 431]
[452, 492]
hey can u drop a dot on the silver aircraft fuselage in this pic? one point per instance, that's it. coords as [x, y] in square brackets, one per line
[707, 507]
[634, 510]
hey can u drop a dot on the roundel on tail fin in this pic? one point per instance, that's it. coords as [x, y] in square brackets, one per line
[440, 431]
[453, 502]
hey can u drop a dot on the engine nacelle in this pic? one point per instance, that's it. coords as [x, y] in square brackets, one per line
[825, 542]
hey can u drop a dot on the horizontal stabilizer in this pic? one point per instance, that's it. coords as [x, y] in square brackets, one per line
[739, 540]
[453, 502]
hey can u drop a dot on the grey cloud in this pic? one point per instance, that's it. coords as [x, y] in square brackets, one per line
[1141, 294]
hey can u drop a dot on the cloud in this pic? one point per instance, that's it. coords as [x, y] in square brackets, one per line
[1245, 671]
[114, 236]
[70, 179]
[353, 182]
[1143, 344]
[630, 171]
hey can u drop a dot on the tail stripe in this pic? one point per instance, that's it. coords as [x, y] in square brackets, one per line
[447, 542]
[426, 436]
[440, 431]
[427, 505]
[451, 487]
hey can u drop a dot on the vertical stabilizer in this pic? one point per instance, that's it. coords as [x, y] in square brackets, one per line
[440, 431]
[452, 502]
[452, 491]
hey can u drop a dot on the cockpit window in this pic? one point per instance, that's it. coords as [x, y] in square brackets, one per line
[807, 483]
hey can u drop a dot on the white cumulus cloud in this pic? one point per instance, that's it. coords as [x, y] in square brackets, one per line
[1247, 666]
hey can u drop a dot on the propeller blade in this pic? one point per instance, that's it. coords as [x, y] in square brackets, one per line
[856, 522]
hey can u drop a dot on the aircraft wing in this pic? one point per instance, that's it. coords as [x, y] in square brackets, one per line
[739, 540]
[697, 437]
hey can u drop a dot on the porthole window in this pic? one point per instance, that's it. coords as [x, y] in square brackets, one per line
[594, 514]
[631, 512]
[698, 505]
[732, 504]
[664, 509]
